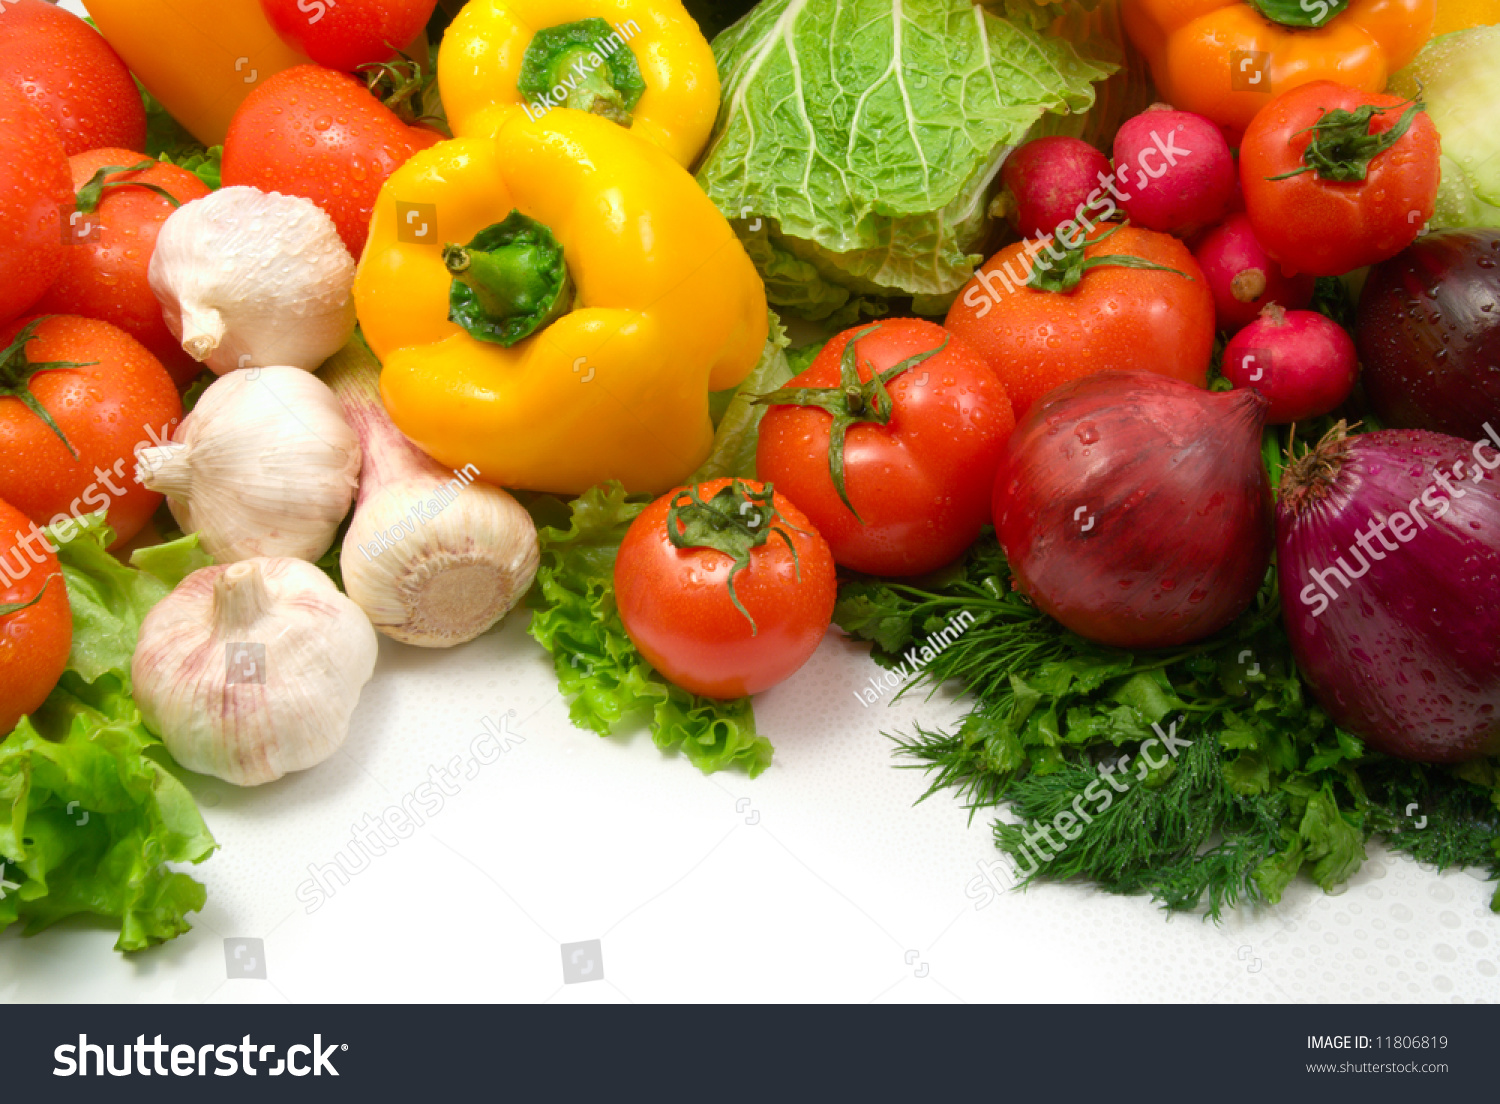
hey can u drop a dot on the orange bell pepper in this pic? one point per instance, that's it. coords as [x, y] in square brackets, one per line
[1227, 59]
[199, 58]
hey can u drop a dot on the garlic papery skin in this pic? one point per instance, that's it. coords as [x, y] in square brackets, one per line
[265, 465]
[249, 278]
[433, 556]
[252, 670]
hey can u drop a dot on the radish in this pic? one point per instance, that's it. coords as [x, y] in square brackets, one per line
[1173, 170]
[1303, 362]
[1048, 181]
[1242, 276]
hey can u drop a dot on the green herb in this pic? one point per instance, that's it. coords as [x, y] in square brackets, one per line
[577, 621]
[90, 813]
[1267, 787]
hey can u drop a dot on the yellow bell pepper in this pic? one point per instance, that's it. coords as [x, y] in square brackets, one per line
[642, 63]
[1460, 15]
[598, 295]
[199, 58]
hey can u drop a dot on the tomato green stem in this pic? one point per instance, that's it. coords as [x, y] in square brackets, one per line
[1068, 273]
[6, 609]
[92, 194]
[853, 402]
[1342, 146]
[736, 521]
[17, 370]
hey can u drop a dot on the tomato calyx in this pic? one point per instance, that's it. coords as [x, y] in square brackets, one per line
[1342, 146]
[735, 521]
[1068, 272]
[92, 194]
[401, 85]
[17, 370]
[6, 609]
[851, 403]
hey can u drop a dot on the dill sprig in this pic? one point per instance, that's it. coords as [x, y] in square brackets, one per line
[1267, 787]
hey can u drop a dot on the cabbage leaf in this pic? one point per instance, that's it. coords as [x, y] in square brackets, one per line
[857, 142]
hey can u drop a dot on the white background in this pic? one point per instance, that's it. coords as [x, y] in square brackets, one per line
[821, 880]
[817, 881]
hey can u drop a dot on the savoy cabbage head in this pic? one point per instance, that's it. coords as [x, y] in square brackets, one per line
[858, 141]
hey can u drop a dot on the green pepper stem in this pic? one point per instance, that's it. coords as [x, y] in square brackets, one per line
[509, 282]
[584, 65]
[1300, 13]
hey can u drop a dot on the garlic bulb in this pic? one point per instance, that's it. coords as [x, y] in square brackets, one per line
[253, 670]
[265, 465]
[248, 278]
[432, 556]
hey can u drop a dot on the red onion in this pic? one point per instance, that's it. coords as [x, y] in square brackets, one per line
[1135, 509]
[1388, 553]
[1428, 331]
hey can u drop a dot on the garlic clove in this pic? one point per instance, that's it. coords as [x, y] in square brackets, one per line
[253, 670]
[265, 465]
[248, 278]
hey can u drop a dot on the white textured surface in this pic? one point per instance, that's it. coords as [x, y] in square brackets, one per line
[837, 882]
[841, 889]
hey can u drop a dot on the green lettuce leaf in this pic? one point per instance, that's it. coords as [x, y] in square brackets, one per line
[739, 422]
[858, 141]
[89, 813]
[597, 665]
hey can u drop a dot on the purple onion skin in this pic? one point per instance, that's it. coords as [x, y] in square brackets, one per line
[1407, 656]
[1428, 333]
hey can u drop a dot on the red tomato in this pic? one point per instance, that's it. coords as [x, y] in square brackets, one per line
[34, 641]
[677, 605]
[345, 34]
[1327, 222]
[920, 482]
[104, 273]
[71, 75]
[116, 400]
[1115, 318]
[35, 190]
[315, 133]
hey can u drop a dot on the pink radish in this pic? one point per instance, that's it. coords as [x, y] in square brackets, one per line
[1301, 361]
[1173, 170]
[1048, 181]
[1242, 275]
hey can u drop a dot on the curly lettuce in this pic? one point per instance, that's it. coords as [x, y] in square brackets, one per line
[597, 666]
[857, 142]
[90, 816]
